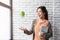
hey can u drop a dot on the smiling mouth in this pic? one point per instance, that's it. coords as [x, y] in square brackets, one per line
[39, 15]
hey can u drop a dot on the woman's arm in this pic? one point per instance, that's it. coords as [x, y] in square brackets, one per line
[25, 30]
[49, 33]
[31, 30]
[28, 31]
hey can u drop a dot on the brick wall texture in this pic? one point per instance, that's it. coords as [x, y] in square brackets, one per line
[29, 7]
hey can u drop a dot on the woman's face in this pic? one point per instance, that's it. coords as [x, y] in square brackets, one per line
[40, 13]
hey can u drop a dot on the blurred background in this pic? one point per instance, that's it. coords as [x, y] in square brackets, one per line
[24, 12]
[5, 21]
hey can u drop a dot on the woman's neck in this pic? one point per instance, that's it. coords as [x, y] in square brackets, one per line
[41, 19]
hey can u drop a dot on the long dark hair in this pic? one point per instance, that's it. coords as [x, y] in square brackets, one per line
[44, 10]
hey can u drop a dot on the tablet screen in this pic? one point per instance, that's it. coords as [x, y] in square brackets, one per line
[44, 29]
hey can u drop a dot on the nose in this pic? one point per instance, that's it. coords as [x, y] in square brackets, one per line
[39, 13]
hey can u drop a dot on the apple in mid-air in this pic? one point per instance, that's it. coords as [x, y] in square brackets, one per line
[22, 13]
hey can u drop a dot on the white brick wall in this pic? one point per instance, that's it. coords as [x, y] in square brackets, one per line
[57, 20]
[29, 6]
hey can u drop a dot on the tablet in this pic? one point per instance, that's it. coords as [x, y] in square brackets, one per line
[44, 29]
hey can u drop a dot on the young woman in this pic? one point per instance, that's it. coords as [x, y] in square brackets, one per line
[41, 21]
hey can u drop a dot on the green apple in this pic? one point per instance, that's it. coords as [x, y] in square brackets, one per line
[22, 13]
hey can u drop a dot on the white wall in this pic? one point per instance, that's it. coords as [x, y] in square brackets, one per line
[4, 21]
[29, 7]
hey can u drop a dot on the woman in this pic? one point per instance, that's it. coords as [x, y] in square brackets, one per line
[38, 23]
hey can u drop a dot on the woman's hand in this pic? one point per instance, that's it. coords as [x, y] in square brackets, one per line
[21, 28]
[40, 33]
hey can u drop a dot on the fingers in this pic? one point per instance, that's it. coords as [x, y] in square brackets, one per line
[40, 33]
[21, 28]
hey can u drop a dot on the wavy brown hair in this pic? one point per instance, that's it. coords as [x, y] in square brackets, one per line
[44, 10]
